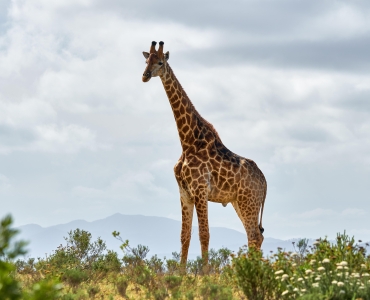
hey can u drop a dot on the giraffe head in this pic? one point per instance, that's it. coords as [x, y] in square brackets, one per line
[155, 60]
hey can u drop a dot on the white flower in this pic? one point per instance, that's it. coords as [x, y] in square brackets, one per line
[316, 243]
[326, 261]
[285, 292]
[316, 284]
[294, 265]
[361, 287]
[279, 272]
[355, 275]
[343, 263]
[363, 266]
[277, 277]
[320, 269]
[317, 278]
[312, 261]
[300, 279]
[334, 282]
[340, 283]
[303, 290]
[365, 275]
[285, 276]
[308, 271]
[342, 292]
[339, 268]
[294, 254]
[295, 290]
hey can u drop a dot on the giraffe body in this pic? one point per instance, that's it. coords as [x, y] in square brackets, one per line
[207, 170]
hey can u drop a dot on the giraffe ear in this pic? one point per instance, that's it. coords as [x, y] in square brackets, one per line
[166, 55]
[146, 54]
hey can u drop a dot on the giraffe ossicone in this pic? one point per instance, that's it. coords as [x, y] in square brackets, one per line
[207, 170]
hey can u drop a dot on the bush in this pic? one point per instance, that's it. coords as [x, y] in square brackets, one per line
[74, 277]
[10, 288]
[325, 270]
[255, 275]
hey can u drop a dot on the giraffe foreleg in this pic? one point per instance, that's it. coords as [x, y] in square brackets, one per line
[201, 206]
[187, 209]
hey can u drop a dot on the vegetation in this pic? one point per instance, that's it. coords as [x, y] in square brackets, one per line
[86, 269]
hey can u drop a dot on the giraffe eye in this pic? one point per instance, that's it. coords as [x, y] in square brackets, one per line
[160, 63]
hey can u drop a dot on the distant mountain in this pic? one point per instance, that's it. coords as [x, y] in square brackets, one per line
[161, 235]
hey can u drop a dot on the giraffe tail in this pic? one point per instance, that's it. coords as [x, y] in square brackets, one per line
[263, 204]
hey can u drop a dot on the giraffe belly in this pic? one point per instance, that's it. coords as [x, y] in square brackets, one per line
[221, 196]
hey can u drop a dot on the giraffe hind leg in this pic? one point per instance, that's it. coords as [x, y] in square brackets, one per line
[249, 217]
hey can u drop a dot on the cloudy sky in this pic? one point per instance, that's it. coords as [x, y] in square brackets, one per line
[286, 83]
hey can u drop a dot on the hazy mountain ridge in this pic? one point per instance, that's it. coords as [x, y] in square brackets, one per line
[161, 235]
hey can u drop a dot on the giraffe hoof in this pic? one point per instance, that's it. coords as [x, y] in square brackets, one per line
[224, 204]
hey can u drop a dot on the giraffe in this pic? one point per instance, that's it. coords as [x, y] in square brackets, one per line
[207, 170]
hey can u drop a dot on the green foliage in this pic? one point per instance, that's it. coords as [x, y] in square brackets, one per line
[44, 290]
[88, 269]
[10, 288]
[324, 271]
[215, 290]
[121, 285]
[74, 277]
[255, 275]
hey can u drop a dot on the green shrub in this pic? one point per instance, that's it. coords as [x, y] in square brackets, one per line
[74, 277]
[121, 285]
[93, 290]
[255, 276]
[173, 283]
[10, 288]
[215, 290]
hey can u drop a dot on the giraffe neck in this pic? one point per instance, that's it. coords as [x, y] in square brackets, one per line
[192, 128]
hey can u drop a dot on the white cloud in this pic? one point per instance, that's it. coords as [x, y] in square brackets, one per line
[322, 213]
[69, 138]
[4, 183]
[70, 84]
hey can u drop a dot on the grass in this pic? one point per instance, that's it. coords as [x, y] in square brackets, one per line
[86, 269]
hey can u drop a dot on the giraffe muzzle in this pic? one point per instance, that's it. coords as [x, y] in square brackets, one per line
[146, 76]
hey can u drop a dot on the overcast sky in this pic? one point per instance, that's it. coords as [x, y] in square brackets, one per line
[286, 83]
